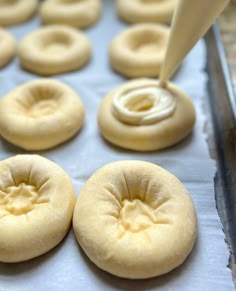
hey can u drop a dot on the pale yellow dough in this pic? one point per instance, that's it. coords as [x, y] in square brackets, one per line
[40, 114]
[135, 220]
[13, 12]
[77, 13]
[54, 49]
[36, 206]
[139, 50]
[136, 11]
[158, 134]
[7, 47]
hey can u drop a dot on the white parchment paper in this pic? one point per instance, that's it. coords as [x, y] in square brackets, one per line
[66, 267]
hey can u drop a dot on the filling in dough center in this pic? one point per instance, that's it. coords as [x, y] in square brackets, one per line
[136, 215]
[143, 103]
[20, 199]
[43, 108]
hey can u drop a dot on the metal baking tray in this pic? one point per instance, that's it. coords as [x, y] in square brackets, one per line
[222, 103]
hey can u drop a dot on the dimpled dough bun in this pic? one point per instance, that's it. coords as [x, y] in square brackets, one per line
[36, 206]
[139, 50]
[77, 13]
[54, 49]
[135, 220]
[136, 11]
[140, 115]
[40, 114]
[13, 12]
[7, 47]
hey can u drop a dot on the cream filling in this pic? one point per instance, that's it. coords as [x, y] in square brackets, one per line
[142, 103]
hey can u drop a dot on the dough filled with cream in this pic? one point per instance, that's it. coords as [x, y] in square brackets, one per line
[141, 116]
[135, 220]
[36, 206]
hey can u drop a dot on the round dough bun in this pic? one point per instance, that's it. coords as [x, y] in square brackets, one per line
[159, 135]
[136, 11]
[135, 220]
[7, 47]
[77, 13]
[13, 12]
[54, 49]
[139, 51]
[40, 114]
[36, 206]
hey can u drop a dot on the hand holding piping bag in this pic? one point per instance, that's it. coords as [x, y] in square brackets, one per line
[191, 21]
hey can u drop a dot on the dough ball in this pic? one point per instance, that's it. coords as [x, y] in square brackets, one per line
[36, 206]
[54, 50]
[141, 116]
[77, 13]
[7, 47]
[139, 51]
[135, 220]
[136, 11]
[40, 114]
[13, 12]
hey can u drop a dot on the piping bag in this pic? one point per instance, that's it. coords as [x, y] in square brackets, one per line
[192, 19]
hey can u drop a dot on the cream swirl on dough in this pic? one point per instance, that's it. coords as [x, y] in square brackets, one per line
[143, 102]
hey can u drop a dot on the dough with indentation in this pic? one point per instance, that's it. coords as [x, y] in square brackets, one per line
[13, 12]
[139, 50]
[7, 47]
[54, 49]
[77, 13]
[40, 114]
[146, 136]
[136, 11]
[36, 206]
[135, 220]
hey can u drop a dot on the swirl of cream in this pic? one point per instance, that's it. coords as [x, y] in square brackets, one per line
[143, 102]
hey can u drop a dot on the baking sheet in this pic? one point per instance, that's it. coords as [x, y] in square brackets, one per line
[66, 267]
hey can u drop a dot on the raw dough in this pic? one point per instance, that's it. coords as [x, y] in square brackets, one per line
[36, 206]
[135, 220]
[76, 13]
[134, 11]
[40, 114]
[13, 12]
[7, 47]
[139, 51]
[54, 49]
[146, 118]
